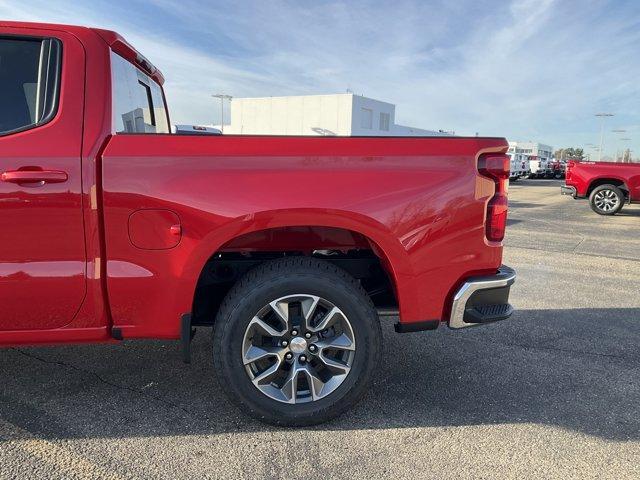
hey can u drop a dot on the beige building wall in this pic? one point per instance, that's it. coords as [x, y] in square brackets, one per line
[296, 115]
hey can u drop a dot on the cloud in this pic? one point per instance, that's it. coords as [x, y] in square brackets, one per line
[528, 69]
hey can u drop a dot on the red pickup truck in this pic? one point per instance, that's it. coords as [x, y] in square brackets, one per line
[291, 248]
[607, 185]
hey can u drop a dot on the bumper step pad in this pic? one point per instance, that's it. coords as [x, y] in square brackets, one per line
[487, 313]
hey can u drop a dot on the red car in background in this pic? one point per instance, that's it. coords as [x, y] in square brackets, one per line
[607, 185]
[557, 169]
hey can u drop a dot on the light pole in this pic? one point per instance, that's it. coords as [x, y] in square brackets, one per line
[602, 116]
[222, 98]
[618, 130]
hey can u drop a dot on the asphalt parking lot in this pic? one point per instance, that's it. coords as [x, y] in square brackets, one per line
[552, 393]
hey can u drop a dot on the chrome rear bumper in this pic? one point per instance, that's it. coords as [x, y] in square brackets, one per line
[483, 299]
[568, 190]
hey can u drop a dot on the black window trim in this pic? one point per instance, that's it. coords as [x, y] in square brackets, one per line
[49, 89]
[152, 113]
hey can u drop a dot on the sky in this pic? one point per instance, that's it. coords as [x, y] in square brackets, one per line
[529, 70]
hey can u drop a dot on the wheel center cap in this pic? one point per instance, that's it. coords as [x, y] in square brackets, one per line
[298, 345]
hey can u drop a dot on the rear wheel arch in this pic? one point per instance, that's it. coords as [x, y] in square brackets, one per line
[392, 259]
[617, 182]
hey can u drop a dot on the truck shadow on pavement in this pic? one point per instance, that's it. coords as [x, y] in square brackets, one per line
[629, 211]
[576, 369]
[517, 205]
[537, 182]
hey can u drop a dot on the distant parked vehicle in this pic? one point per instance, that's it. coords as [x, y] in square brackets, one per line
[607, 185]
[518, 169]
[537, 167]
[195, 130]
[556, 170]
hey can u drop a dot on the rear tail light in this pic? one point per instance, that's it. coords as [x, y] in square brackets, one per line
[496, 167]
[570, 165]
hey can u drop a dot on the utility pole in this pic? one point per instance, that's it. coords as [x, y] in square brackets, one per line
[222, 98]
[602, 117]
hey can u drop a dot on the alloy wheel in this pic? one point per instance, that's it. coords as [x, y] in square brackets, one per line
[298, 348]
[606, 200]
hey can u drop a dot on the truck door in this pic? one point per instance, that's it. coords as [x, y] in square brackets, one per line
[42, 248]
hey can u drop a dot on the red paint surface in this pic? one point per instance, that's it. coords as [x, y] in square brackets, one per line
[419, 202]
[42, 249]
[154, 229]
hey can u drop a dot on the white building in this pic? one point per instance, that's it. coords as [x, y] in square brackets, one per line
[530, 158]
[343, 114]
[530, 151]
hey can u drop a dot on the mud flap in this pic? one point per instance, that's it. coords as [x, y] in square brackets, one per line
[186, 335]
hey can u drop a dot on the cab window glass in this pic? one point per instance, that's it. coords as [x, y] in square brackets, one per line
[138, 103]
[29, 77]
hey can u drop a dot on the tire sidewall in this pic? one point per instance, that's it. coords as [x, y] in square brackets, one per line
[229, 342]
[601, 188]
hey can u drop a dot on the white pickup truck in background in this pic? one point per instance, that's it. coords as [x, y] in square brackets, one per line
[537, 167]
[519, 168]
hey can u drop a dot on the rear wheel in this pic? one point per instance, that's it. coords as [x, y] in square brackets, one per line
[606, 200]
[296, 342]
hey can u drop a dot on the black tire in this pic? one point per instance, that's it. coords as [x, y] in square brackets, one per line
[558, 176]
[292, 276]
[612, 192]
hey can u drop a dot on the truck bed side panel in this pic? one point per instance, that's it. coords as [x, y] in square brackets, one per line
[421, 200]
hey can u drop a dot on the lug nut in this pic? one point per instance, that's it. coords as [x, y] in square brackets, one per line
[307, 335]
[294, 332]
[312, 348]
[284, 343]
[289, 356]
[303, 358]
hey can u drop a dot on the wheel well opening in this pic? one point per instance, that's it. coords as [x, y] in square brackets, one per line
[607, 181]
[351, 251]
